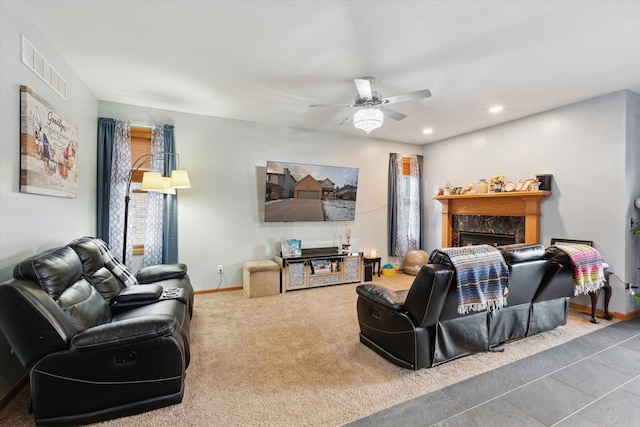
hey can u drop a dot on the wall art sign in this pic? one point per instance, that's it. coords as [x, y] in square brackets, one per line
[48, 149]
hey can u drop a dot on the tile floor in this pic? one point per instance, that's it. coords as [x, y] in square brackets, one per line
[593, 380]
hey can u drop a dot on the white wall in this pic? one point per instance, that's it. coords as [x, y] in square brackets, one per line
[31, 222]
[586, 148]
[221, 217]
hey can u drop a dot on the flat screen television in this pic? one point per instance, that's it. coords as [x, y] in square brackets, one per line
[303, 192]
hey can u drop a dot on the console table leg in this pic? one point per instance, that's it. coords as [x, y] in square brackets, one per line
[594, 303]
[607, 297]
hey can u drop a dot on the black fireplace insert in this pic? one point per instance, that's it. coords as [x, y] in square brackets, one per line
[469, 238]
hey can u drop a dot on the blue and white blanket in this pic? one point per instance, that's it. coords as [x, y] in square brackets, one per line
[482, 276]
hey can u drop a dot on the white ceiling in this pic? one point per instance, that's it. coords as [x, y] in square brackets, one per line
[266, 61]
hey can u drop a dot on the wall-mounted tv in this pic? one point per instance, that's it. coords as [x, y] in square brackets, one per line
[302, 192]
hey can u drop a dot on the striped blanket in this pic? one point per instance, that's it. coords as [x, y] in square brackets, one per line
[588, 272]
[482, 276]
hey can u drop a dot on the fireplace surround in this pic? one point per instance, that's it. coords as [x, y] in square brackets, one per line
[517, 206]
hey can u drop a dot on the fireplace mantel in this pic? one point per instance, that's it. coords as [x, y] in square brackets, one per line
[516, 203]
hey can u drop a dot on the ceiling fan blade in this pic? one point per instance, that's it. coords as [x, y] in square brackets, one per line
[407, 96]
[346, 120]
[333, 105]
[393, 114]
[364, 88]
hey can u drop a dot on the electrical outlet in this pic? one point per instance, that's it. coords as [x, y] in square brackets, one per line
[220, 268]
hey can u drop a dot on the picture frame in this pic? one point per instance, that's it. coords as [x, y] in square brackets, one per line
[48, 148]
[456, 190]
[558, 241]
[285, 251]
[321, 266]
[526, 184]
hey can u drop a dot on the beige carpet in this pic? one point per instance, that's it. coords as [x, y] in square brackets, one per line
[294, 359]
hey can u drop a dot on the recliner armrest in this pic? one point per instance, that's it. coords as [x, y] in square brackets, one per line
[156, 273]
[382, 295]
[139, 293]
[122, 332]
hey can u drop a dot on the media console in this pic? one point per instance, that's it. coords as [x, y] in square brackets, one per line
[320, 267]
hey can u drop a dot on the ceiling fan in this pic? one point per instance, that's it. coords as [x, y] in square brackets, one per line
[371, 105]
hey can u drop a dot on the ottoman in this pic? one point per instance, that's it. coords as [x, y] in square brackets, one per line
[260, 279]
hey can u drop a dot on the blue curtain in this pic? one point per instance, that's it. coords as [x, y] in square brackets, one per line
[392, 216]
[106, 132]
[170, 214]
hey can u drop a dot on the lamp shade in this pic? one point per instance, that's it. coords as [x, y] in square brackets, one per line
[166, 186]
[152, 181]
[180, 179]
[368, 118]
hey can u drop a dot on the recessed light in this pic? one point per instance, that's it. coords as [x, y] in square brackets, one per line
[496, 109]
[428, 131]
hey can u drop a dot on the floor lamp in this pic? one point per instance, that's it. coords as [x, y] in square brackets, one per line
[153, 181]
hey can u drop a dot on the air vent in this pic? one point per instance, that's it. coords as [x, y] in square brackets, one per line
[34, 60]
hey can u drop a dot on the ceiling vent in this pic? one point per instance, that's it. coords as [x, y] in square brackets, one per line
[34, 60]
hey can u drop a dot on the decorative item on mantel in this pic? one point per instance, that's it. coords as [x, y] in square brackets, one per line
[468, 189]
[447, 189]
[545, 181]
[497, 181]
[483, 186]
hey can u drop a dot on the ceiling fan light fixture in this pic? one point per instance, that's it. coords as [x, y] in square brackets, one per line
[368, 119]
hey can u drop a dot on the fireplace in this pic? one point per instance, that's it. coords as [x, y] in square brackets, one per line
[519, 207]
[484, 226]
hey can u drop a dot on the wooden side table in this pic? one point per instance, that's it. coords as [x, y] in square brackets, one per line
[373, 261]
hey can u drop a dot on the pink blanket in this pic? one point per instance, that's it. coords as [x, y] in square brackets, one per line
[588, 273]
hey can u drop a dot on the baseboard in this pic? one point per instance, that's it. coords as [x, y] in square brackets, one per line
[600, 312]
[206, 291]
[14, 390]
[236, 288]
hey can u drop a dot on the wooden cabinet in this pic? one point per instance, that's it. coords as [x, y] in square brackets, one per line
[320, 267]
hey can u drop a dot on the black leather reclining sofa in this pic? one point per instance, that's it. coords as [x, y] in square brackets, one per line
[100, 342]
[420, 327]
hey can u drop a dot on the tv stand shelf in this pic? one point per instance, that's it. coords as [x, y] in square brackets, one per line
[319, 267]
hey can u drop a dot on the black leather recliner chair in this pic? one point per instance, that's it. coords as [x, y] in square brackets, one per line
[97, 349]
[421, 327]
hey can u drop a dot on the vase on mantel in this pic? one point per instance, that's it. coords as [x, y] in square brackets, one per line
[483, 186]
[497, 188]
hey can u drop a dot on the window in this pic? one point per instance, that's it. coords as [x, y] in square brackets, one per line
[406, 166]
[409, 217]
[140, 146]
[405, 208]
